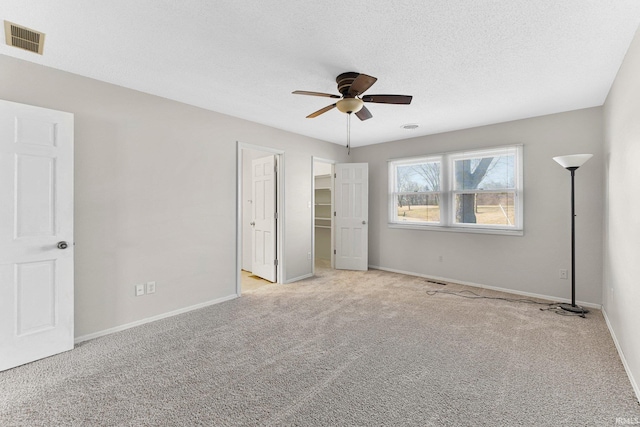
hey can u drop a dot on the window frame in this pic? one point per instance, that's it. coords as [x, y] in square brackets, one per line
[393, 185]
[448, 192]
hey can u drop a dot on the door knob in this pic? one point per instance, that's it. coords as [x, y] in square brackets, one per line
[364, 222]
[252, 223]
[62, 245]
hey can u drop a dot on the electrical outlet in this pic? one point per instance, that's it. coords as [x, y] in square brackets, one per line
[440, 258]
[563, 274]
[151, 287]
[139, 290]
[308, 255]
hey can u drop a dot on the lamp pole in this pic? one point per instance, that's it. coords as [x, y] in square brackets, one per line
[572, 163]
[573, 241]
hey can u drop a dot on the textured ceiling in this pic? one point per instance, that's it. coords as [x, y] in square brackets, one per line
[467, 63]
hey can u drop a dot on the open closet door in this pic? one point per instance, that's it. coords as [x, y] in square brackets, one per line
[352, 216]
[264, 215]
[36, 233]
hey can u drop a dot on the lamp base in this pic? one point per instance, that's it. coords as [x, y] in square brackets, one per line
[574, 308]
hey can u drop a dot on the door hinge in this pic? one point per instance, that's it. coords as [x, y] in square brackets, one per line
[275, 215]
[335, 175]
[334, 251]
[275, 262]
[334, 213]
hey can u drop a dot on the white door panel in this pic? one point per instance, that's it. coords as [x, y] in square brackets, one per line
[352, 216]
[36, 212]
[263, 224]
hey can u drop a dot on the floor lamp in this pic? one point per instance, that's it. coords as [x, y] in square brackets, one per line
[572, 163]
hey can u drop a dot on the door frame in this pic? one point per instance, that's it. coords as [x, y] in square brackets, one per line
[313, 211]
[240, 146]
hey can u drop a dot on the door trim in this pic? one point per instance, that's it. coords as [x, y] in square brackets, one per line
[280, 199]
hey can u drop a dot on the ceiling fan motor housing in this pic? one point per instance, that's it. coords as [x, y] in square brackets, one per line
[349, 104]
[344, 81]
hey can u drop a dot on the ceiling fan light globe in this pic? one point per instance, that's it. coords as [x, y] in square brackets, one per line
[350, 105]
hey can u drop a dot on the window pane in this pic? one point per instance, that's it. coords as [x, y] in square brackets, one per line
[485, 173]
[485, 208]
[418, 208]
[418, 177]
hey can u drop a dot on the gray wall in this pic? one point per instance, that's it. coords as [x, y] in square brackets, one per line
[155, 193]
[528, 263]
[621, 289]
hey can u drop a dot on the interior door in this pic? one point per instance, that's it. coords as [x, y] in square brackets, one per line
[352, 216]
[263, 224]
[36, 233]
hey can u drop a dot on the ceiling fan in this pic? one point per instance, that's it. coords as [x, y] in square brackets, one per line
[352, 85]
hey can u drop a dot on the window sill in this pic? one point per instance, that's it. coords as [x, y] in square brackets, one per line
[457, 229]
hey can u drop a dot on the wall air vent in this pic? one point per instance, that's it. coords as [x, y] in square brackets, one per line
[23, 38]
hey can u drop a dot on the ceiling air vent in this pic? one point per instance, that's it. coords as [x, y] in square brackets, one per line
[23, 37]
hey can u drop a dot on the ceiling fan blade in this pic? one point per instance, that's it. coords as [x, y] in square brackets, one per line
[364, 113]
[361, 84]
[304, 92]
[321, 111]
[388, 99]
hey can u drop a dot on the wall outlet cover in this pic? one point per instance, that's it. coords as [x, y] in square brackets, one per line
[151, 287]
[139, 290]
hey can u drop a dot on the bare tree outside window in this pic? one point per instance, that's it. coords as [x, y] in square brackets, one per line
[406, 185]
[430, 172]
[417, 187]
[466, 207]
[478, 178]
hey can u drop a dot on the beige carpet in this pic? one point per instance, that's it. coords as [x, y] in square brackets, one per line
[347, 348]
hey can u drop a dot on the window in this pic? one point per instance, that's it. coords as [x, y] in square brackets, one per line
[477, 191]
[417, 190]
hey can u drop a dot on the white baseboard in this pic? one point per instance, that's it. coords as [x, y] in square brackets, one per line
[493, 288]
[296, 279]
[152, 319]
[634, 384]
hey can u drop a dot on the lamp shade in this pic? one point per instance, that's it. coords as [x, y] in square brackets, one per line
[573, 160]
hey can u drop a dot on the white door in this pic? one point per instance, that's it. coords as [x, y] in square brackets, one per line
[352, 216]
[36, 217]
[263, 223]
